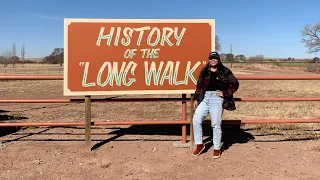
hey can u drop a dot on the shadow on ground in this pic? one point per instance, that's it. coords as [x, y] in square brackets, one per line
[231, 134]
[4, 131]
[7, 118]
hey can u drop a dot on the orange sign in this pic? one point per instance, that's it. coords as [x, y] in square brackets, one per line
[129, 56]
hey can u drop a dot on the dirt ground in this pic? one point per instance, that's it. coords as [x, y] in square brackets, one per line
[59, 153]
[290, 151]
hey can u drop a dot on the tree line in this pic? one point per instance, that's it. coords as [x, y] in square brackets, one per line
[311, 41]
[56, 57]
[310, 33]
[11, 57]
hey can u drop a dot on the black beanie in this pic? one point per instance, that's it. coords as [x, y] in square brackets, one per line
[214, 55]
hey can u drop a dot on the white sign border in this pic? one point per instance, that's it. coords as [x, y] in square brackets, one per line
[68, 21]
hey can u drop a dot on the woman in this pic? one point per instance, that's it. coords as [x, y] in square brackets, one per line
[215, 87]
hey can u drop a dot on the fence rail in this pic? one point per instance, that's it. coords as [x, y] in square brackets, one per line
[14, 101]
[155, 122]
[240, 77]
[87, 100]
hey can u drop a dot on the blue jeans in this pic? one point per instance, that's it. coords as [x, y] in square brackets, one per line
[211, 104]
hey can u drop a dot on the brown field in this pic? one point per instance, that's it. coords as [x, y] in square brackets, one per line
[50, 69]
[276, 151]
[56, 69]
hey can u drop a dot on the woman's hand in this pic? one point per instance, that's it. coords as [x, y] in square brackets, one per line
[219, 93]
[195, 104]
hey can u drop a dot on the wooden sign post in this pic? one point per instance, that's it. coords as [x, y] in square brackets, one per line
[134, 56]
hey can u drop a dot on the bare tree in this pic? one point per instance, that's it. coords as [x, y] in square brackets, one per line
[13, 55]
[14, 49]
[255, 59]
[251, 59]
[23, 53]
[218, 44]
[260, 58]
[6, 55]
[312, 42]
[2, 58]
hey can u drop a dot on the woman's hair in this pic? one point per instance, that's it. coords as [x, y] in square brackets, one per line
[220, 67]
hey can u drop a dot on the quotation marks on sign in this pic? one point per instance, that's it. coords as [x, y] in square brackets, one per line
[81, 63]
[204, 62]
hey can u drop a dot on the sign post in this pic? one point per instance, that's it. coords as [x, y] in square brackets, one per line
[135, 56]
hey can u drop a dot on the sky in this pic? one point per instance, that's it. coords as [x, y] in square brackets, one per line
[253, 27]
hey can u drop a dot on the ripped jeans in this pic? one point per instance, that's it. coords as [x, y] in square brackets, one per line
[211, 104]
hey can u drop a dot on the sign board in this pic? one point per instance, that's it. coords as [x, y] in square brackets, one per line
[135, 56]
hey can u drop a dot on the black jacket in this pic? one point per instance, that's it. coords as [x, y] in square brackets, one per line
[228, 84]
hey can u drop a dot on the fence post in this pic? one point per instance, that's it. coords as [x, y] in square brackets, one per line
[191, 122]
[88, 122]
[184, 117]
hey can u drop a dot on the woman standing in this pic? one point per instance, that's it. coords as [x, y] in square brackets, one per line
[214, 92]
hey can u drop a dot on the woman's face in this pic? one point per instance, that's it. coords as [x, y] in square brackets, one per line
[213, 62]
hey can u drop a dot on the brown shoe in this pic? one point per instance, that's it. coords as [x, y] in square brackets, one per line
[200, 148]
[216, 154]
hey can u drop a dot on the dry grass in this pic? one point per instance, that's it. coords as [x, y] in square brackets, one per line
[286, 131]
[41, 69]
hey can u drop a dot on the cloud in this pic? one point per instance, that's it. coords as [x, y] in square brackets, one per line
[43, 16]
